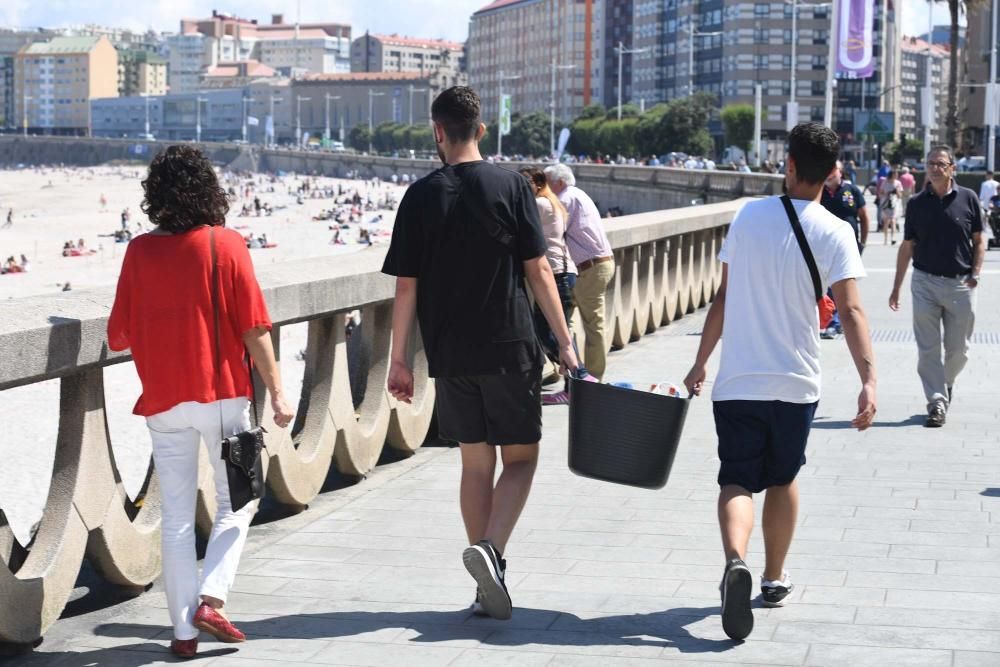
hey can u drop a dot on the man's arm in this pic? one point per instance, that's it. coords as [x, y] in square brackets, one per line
[404, 310]
[903, 258]
[543, 287]
[864, 222]
[710, 336]
[855, 324]
[978, 255]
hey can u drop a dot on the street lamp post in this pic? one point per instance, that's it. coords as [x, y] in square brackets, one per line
[146, 98]
[991, 148]
[831, 64]
[24, 111]
[692, 34]
[197, 124]
[621, 50]
[503, 78]
[246, 102]
[795, 52]
[298, 119]
[274, 125]
[415, 90]
[552, 108]
[371, 112]
[328, 97]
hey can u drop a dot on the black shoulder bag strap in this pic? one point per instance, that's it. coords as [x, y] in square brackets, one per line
[218, 339]
[800, 236]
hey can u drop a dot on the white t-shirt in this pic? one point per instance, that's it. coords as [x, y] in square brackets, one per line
[770, 338]
[987, 191]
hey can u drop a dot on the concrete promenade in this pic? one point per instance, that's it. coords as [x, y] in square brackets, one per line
[895, 559]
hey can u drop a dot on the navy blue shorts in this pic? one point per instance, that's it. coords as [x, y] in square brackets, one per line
[761, 443]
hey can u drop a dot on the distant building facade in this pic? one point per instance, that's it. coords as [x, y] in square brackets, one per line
[975, 68]
[56, 80]
[393, 53]
[917, 54]
[141, 73]
[513, 45]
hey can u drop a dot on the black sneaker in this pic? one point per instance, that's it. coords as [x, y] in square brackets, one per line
[737, 618]
[936, 417]
[488, 569]
[773, 593]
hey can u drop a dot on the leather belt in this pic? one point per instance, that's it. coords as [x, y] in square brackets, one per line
[583, 266]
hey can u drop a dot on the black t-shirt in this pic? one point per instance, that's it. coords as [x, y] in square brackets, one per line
[845, 203]
[942, 230]
[464, 232]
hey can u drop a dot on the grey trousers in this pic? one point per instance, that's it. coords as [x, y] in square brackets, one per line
[948, 304]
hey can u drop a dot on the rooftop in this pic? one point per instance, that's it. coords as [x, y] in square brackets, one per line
[251, 68]
[418, 42]
[63, 45]
[365, 76]
[498, 4]
[917, 45]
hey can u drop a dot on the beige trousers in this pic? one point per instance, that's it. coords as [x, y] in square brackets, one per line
[591, 286]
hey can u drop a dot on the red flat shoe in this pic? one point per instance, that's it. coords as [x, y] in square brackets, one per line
[184, 648]
[217, 625]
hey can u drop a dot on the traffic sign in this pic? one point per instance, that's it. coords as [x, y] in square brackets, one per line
[879, 125]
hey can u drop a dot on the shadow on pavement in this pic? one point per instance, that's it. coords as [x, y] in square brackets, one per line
[537, 627]
[915, 420]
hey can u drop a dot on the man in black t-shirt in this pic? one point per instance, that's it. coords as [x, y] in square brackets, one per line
[466, 239]
[943, 235]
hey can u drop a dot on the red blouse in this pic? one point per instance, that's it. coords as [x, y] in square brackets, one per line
[163, 312]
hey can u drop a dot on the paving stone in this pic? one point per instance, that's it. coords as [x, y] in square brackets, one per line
[824, 655]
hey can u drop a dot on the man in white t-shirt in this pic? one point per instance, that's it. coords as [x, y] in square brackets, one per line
[768, 386]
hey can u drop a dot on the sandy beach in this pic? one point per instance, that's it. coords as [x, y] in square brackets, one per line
[53, 206]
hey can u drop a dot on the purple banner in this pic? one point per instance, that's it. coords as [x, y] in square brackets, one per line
[855, 39]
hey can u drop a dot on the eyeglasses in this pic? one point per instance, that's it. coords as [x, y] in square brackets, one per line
[939, 165]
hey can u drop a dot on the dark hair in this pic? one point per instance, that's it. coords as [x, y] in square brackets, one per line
[893, 173]
[182, 191]
[535, 176]
[458, 111]
[815, 148]
[941, 148]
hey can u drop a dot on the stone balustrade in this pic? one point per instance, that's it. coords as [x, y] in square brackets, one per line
[667, 267]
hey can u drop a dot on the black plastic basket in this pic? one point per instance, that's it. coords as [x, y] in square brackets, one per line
[622, 435]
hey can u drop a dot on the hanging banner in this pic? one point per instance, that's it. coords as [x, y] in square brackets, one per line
[855, 39]
[505, 108]
[253, 121]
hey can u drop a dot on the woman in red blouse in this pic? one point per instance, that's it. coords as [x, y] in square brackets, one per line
[164, 312]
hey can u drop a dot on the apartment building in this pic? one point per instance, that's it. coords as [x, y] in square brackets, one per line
[517, 46]
[916, 54]
[618, 17]
[222, 38]
[55, 81]
[141, 73]
[12, 41]
[393, 53]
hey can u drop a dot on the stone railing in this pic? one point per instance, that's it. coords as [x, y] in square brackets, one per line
[667, 267]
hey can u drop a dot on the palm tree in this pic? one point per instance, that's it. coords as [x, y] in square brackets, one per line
[955, 8]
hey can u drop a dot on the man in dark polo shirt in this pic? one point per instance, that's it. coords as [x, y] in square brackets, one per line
[944, 238]
[846, 201]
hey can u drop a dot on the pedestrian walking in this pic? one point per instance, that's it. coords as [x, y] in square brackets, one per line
[187, 272]
[846, 201]
[466, 239]
[909, 183]
[890, 195]
[988, 189]
[768, 386]
[591, 251]
[943, 237]
[10, 219]
[553, 216]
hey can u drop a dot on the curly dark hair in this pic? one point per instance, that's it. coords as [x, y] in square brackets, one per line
[182, 191]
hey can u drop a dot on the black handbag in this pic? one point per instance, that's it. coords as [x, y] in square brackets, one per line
[241, 452]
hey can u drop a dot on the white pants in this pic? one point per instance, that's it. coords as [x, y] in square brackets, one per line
[175, 434]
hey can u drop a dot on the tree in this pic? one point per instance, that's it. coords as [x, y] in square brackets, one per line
[529, 134]
[359, 137]
[684, 125]
[593, 111]
[629, 110]
[955, 8]
[897, 152]
[738, 120]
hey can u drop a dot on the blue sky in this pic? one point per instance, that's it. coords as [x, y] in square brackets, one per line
[423, 18]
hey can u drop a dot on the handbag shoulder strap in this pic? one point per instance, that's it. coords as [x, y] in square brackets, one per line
[218, 335]
[800, 236]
